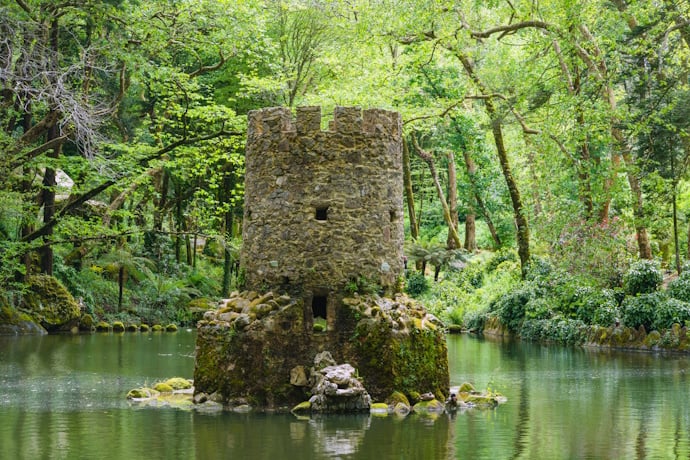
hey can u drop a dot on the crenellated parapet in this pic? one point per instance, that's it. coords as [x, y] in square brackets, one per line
[307, 121]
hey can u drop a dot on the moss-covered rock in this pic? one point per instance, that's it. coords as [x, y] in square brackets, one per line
[86, 323]
[103, 326]
[397, 397]
[171, 328]
[118, 326]
[466, 387]
[426, 407]
[144, 328]
[178, 383]
[157, 328]
[197, 307]
[481, 400]
[50, 304]
[380, 409]
[163, 387]
[140, 393]
[132, 328]
[302, 407]
[13, 322]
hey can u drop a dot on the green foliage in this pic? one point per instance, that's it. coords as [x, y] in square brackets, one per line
[643, 277]
[512, 306]
[679, 288]
[560, 330]
[417, 284]
[671, 311]
[641, 310]
[500, 256]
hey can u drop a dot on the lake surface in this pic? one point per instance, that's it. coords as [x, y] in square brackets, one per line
[64, 397]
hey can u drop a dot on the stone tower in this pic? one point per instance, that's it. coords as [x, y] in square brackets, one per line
[322, 240]
[323, 208]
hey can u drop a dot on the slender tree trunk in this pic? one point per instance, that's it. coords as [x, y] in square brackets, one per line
[451, 242]
[409, 194]
[470, 224]
[521, 224]
[489, 222]
[429, 160]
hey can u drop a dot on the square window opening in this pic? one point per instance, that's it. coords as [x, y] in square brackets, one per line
[318, 306]
[321, 213]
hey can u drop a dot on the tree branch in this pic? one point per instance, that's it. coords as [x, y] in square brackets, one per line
[210, 68]
[511, 28]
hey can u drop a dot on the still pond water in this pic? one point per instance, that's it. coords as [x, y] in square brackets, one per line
[63, 397]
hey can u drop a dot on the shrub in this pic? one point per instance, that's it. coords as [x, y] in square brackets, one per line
[588, 301]
[474, 320]
[560, 330]
[680, 287]
[538, 308]
[643, 277]
[417, 284]
[606, 315]
[510, 307]
[502, 255]
[671, 311]
[640, 310]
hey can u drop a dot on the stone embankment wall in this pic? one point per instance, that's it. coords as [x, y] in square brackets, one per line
[322, 208]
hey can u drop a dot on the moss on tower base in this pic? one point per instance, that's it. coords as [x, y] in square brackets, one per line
[248, 350]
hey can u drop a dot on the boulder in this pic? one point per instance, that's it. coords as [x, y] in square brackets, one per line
[50, 304]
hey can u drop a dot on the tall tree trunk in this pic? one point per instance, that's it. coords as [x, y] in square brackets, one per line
[470, 224]
[429, 160]
[451, 243]
[489, 222]
[522, 227]
[409, 195]
[49, 181]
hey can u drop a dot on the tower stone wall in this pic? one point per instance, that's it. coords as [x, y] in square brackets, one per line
[323, 208]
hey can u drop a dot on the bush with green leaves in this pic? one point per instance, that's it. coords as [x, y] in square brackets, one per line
[474, 320]
[500, 256]
[679, 288]
[510, 307]
[417, 284]
[669, 312]
[641, 310]
[560, 330]
[643, 277]
[606, 315]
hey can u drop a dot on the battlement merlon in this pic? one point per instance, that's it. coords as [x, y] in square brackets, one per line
[346, 120]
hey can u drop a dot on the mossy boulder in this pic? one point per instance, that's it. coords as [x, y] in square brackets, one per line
[428, 407]
[132, 328]
[466, 387]
[178, 383]
[197, 307]
[481, 400]
[157, 328]
[302, 407]
[86, 323]
[380, 409]
[13, 322]
[144, 328]
[171, 328]
[397, 397]
[141, 393]
[50, 304]
[163, 387]
[103, 326]
[118, 326]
